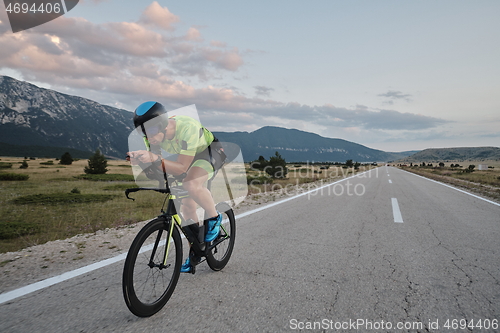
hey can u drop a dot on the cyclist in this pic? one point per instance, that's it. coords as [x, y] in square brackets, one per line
[186, 137]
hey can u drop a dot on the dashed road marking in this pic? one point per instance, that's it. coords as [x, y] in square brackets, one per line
[396, 212]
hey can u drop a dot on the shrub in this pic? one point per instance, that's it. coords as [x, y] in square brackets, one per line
[119, 187]
[259, 164]
[97, 164]
[5, 165]
[66, 159]
[470, 169]
[276, 167]
[47, 163]
[75, 190]
[61, 198]
[24, 165]
[13, 176]
[259, 180]
[107, 178]
[9, 230]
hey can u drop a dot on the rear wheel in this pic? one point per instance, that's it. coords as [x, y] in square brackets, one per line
[148, 279]
[218, 256]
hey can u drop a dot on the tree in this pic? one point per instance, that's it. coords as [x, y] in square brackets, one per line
[349, 163]
[276, 166]
[66, 159]
[259, 164]
[97, 164]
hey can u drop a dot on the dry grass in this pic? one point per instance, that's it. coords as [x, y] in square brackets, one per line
[301, 175]
[58, 221]
[483, 182]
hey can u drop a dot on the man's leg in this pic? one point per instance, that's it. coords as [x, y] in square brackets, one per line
[194, 184]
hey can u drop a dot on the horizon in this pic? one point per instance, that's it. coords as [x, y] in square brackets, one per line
[390, 76]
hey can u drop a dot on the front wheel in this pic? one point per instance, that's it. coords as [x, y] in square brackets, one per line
[218, 256]
[152, 268]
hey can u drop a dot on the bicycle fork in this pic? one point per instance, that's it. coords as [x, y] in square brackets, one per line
[167, 248]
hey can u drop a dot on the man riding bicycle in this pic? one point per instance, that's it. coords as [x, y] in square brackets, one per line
[197, 161]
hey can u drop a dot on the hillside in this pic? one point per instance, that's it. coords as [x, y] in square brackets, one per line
[40, 151]
[454, 154]
[299, 146]
[33, 116]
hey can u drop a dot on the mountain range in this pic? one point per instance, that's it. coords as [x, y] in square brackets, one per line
[299, 146]
[33, 116]
[454, 154]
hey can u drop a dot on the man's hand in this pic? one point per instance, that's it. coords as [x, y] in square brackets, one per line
[142, 156]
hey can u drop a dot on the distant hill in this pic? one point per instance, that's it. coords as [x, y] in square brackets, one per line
[403, 154]
[40, 151]
[33, 116]
[299, 146]
[454, 154]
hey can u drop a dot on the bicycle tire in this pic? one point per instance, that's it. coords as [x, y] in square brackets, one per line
[218, 257]
[147, 286]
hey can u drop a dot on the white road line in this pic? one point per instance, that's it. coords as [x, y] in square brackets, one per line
[8, 296]
[390, 181]
[454, 188]
[398, 218]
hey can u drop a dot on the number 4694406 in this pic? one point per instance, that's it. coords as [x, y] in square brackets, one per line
[25, 8]
[486, 324]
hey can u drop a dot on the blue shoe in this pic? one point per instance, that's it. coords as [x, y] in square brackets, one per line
[186, 267]
[213, 228]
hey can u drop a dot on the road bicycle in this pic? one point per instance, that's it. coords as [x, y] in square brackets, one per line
[154, 260]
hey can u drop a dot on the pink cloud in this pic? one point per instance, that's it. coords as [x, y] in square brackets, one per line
[156, 15]
[79, 50]
[193, 34]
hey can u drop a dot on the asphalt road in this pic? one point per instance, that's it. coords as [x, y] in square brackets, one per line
[335, 260]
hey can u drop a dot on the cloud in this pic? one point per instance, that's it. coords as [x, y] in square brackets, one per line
[158, 16]
[124, 63]
[395, 95]
[263, 91]
[72, 45]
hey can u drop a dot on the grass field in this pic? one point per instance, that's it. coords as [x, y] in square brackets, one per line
[485, 182]
[297, 174]
[47, 210]
[54, 202]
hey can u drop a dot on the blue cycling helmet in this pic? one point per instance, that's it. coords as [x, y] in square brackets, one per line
[147, 111]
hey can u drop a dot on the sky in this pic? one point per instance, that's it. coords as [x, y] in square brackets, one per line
[390, 75]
